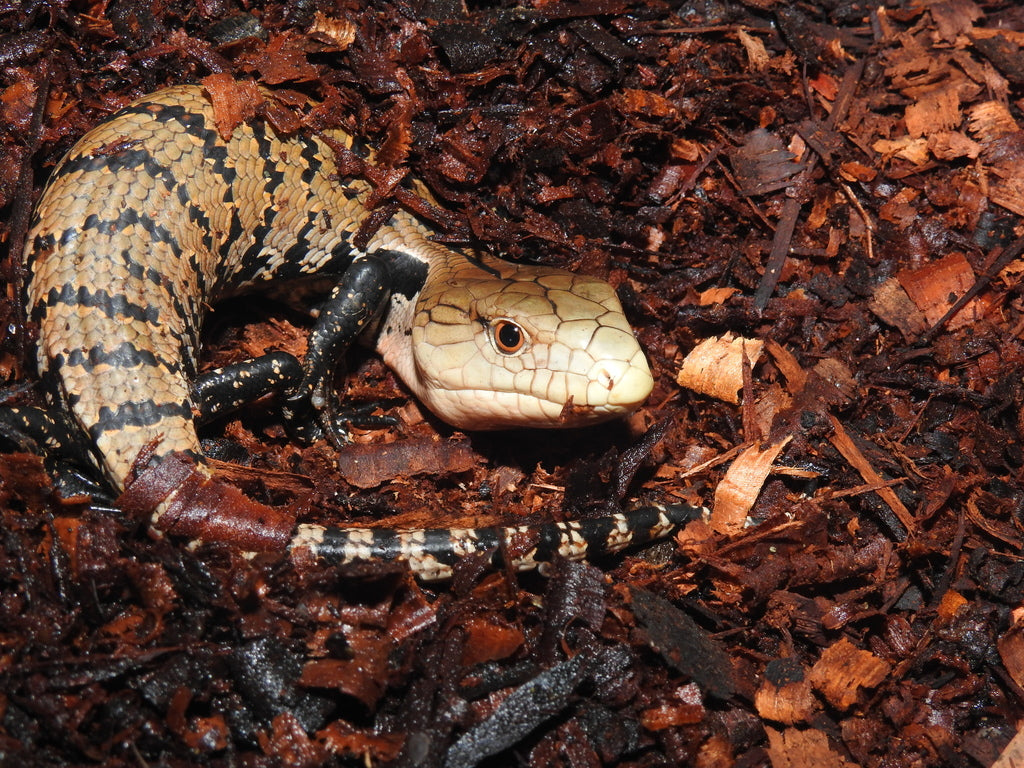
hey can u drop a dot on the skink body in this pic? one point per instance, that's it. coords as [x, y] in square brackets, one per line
[153, 216]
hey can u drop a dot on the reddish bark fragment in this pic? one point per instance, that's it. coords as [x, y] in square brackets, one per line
[343, 738]
[804, 749]
[289, 744]
[935, 288]
[763, 164]
[206, 509]
[340, 33]
[363, 675]
[370, 464]
[413, 615]
[234, 101]
[284, 119]
[846, 446]
[155, 588]
[284, 60]
[646, 103]
[687, 708]
[489, 641]
[67, 530]
[207, 734]
[785, 696]
[17, 104]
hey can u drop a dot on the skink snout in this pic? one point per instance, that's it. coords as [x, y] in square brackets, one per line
[620, 386]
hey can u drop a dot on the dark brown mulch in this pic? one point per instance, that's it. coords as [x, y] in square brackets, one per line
[840, 180]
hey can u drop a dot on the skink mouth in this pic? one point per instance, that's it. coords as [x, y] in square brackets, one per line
[485, 410]
[611, 388]
[614, 389]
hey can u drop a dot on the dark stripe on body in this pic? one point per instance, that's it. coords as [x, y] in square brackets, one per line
[297, 255]
[144, 413]
[135, 160]
[216, 151]
[148, 274]
[193, 123]
[42, 246]
[114, 307]
[197, 216]
[72, 295]
[141, 271]
[312, 157]
[124, 355]
[253, 259]
[126, 218]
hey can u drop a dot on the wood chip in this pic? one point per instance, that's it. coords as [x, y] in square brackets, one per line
[763, 163]
[371, 464]
[950, 145]
[340, 32]
[234, 101]
[715, 366]
[716, 296]
[793, 748]
[844, 671]
[905, 147]
[892, 304]
[757, 54]
[935, 287]
[738, 490]
[1013, 755]
[785, 695]
[841, 440]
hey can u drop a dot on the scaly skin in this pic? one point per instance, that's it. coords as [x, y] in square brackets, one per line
[152, 217]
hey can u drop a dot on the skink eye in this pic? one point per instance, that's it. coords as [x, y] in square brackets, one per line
[508, 337]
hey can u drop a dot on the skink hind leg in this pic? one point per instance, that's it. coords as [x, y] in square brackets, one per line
[65, 453]
[46, 433]
[225, 389]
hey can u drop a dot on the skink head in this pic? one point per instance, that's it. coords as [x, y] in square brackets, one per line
[524, 347]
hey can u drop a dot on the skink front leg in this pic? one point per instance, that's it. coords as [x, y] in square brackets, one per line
[308, 407]
[356, 301]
